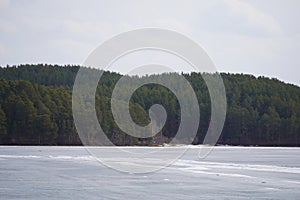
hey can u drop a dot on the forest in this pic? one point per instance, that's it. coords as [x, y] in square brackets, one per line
[36, 108]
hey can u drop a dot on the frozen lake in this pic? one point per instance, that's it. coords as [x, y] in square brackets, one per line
[226, 173]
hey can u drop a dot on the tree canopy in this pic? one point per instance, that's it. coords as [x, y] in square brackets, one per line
[36, 108]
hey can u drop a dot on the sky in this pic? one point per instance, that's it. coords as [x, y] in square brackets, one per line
[259, 37]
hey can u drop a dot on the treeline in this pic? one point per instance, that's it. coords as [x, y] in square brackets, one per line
[36, 108]
[36, 114]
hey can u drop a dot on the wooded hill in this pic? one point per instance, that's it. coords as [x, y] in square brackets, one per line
[36, 108]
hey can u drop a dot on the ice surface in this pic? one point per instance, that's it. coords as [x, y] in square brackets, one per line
[226, 173]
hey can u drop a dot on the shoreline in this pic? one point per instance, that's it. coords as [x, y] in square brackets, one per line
[174, 146]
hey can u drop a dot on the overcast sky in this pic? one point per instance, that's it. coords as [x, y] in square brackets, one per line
[260, 37]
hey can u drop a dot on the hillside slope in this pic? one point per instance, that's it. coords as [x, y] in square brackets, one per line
[36, 108]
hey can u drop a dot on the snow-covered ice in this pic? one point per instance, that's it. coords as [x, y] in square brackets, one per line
[226, 173]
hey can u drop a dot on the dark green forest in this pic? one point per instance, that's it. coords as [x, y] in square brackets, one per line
[36, 108]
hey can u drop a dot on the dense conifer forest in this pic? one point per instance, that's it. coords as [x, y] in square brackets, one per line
[36, 108]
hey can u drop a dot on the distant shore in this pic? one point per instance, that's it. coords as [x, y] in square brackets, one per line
[166, 145]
